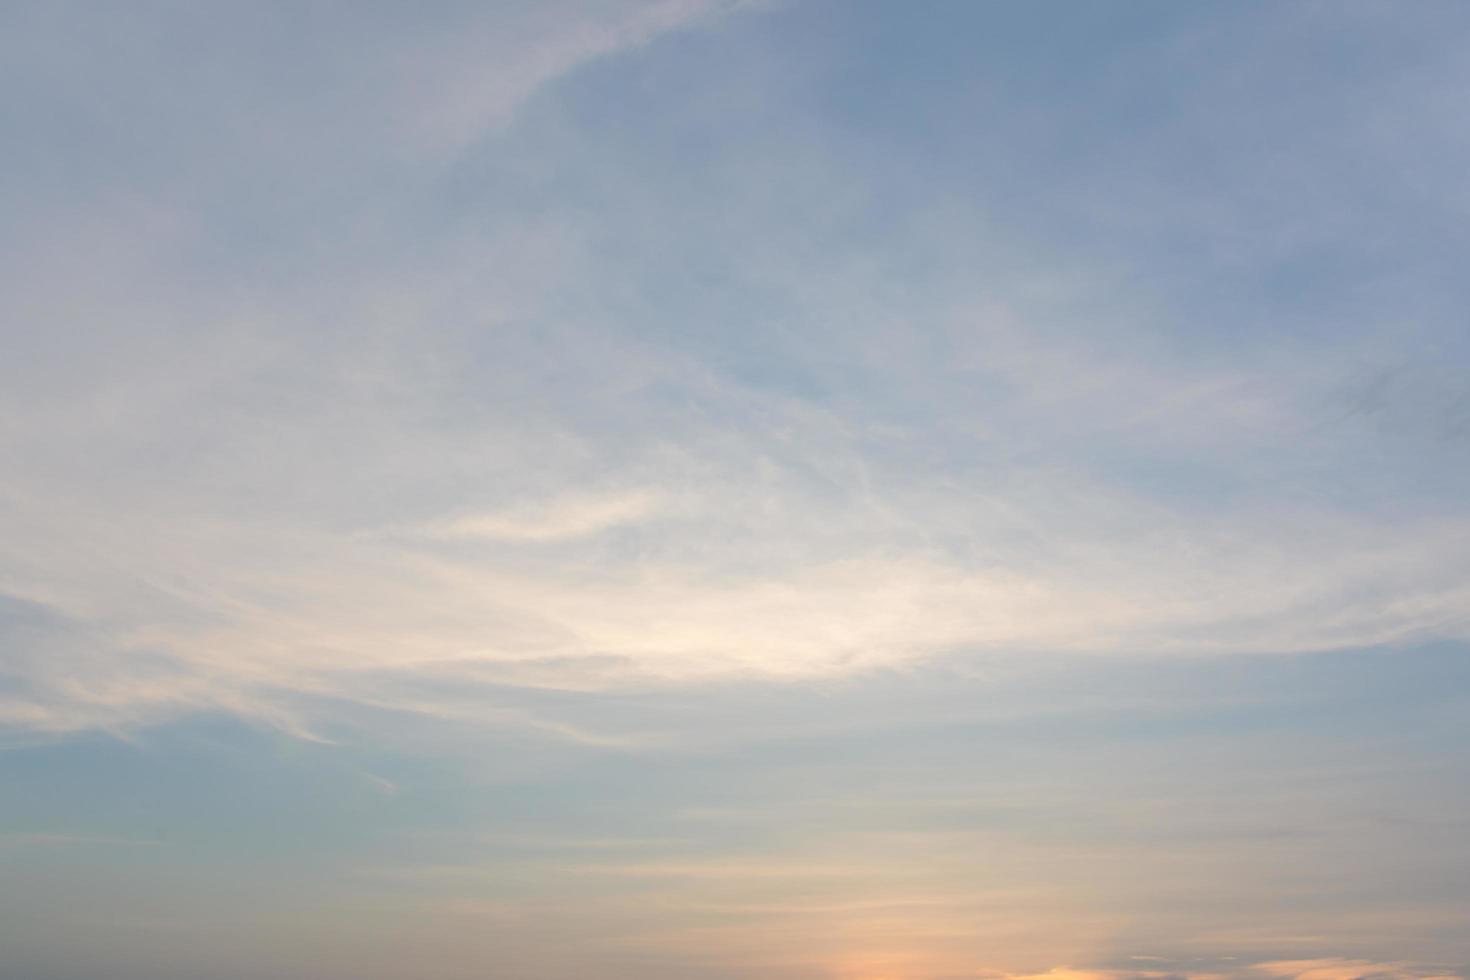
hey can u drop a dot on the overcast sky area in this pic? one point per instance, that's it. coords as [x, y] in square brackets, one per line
[734, 490]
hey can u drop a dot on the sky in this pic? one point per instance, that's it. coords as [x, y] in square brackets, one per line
[734, 490]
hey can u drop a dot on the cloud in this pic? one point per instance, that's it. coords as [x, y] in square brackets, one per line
[614, 418]
[1349, 969]
[562, 518]
[1315, 969]
[479, 80]
[1068, 973]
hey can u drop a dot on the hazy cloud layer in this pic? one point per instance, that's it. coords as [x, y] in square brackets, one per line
[710, 489]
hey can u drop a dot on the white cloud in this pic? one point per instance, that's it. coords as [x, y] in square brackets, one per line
[562, 518]
[477, 82]
[503, 454]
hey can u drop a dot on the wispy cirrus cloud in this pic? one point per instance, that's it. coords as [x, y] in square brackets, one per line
[559, 519]
[476, 81]
[698, 490]
[530, 447]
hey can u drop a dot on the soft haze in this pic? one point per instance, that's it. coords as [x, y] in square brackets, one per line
[702, 489]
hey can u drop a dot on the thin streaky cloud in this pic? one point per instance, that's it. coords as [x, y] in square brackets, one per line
[696, 490]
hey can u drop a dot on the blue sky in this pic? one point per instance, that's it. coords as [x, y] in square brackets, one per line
[698, 489]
